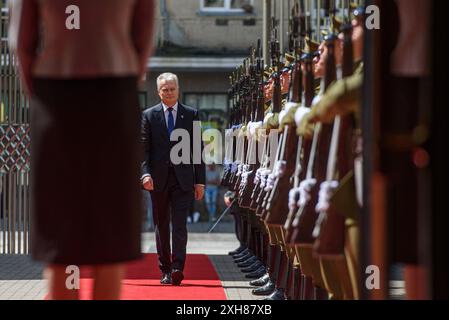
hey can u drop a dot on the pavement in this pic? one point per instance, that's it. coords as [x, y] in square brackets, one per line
[21, 278]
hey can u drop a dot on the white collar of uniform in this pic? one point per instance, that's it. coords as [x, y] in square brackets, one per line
[175, 107]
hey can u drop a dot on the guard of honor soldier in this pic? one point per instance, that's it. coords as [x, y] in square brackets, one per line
[294, 158]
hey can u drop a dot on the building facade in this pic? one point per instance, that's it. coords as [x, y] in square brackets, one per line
[202, 41]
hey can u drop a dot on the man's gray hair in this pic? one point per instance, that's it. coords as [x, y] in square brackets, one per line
[167, 76]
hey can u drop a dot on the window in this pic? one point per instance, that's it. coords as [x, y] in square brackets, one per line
[227, 5]
[208, 101]
[4, 23]
[212, 107]
[143, 99]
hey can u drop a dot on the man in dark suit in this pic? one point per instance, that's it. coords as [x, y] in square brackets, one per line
[172, 185]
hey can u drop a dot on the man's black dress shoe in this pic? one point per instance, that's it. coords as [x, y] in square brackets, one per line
[265, 290]
[261, 281]
[176, 277]
[166, 278]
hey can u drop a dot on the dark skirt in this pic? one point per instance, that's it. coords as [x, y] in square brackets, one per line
[85, 156]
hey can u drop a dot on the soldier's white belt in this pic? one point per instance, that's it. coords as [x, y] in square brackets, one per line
[289, 108]
[253, 127]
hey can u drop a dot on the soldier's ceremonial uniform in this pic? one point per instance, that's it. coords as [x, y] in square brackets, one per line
[308, 190]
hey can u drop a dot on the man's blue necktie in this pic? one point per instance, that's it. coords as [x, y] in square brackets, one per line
[170, 122]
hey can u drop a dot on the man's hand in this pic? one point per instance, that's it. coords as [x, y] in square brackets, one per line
[199, 192]
[147, 183]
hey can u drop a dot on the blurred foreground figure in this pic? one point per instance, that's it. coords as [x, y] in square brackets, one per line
[404, 116]
[84, 67]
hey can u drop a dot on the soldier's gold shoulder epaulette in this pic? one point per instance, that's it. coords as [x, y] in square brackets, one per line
[272, 122]
[267, 73]
[352, 85]
[342, 97]
[317, 88]
[336, 25]
[353, 5]
[266, 106]
[254, 130]
[268, 115]
[344, 198]
[289, 59]
[358, 67]
[305, 127]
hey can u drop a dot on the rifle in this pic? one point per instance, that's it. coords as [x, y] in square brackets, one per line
[302, 219]
[306, 216]
[229, 147]
[245, 106]
[236, 129]
[260, 113]
[276, 101]
[257, 115]
[277, 207]
[251, 163]
[330, 227]
[298, 34]
[258, 177]
[298, 83]
[244, 121]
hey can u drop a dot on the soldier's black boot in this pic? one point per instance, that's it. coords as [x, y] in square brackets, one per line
[290, 286]
[321, 294]
[265, 290]
[261, 281]
[241, 253]
[265, 283]
[238, 250]
[297, 285]
[276, 262]
[307, 290]
[278, 294]
[256, 274]
[243, 257]
[282, 273]
[253, 267]
[247, 262]
[255, 241]
[262, 248]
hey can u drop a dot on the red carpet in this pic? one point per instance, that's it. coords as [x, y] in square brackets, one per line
[200, 282]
